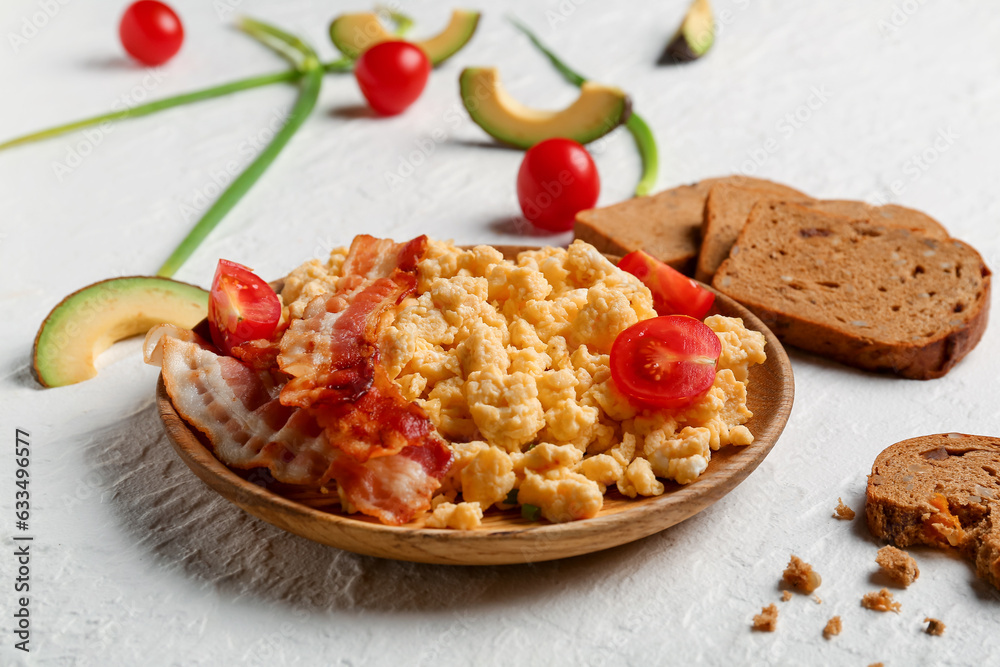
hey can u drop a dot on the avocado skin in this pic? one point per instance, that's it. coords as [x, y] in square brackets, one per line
[693, 38]
[86, 302]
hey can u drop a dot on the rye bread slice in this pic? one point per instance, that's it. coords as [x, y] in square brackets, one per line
[942, 491]
[726, 210]
[875, 297]
[728, 207]
[667, 225]
[889, 215]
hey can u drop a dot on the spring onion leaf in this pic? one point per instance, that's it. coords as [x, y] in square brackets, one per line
[643, 136]
[309, 87]
[530, 512]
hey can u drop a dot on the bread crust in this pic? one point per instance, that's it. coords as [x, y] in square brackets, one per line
[940, 490]
[928, 357]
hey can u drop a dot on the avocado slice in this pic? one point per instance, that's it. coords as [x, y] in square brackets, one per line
[353, 33]
[598, 110]
[88, 321]
[694, 37]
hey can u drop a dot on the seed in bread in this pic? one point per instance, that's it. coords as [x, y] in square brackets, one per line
[874, 297]
[726, 211]
[934, 627]
[667, 225]
[767, 619]
[880, 601]
[897, 565]
[843, 512]
[801, 576]
[943, 491]
[832, 628]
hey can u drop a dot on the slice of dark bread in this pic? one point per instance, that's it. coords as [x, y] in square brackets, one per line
[667, 225]
[726, 210]
[889, 215]
[870, 296]
[728, 207]
[943, 491]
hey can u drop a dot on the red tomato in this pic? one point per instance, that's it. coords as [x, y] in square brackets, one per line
[241, 306]
[557, 180]
[151, 32]
[665, 362]
[392, 75]
[673, 292]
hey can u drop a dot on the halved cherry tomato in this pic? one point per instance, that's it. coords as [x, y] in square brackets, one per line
[673, 292]
[151, 32]
[241, 306]
[557, 180]
[392, 75]
[665, 362]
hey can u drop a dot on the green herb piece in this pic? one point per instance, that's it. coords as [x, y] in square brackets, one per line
[530, 512]
[309, 87]
[646, 143]
[643, 136]
[511, 498]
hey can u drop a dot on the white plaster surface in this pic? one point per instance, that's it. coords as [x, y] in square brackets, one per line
[136, 562]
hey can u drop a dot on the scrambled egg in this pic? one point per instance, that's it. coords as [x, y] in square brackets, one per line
[509, 359]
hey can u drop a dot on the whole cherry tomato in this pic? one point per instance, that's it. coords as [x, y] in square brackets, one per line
[392, 75]
[673, 292]
[557, 180]
[665, 362]
[241, 306]
[151, 32]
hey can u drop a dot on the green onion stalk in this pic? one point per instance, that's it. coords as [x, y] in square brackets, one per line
[645, 142]
[307, 72]
[310, 77]
[402, 22]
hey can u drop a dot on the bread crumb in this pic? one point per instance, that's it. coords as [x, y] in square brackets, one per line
[817, 599]
[767, 619]
[934, 627]
[786, 596]
[800, 576]
[880, 601]
[833, 627]
[898, 565]
[843, 512]
[876, 664]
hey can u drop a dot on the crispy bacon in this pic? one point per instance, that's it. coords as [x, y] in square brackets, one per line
[339, 417]
[236, 408]
[379, 423]
[331, 356]
[261, 354]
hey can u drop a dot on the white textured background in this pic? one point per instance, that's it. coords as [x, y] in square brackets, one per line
[137, 562]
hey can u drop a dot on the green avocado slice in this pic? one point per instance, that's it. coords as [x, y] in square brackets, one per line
[695, 36]
[353, 33]
[88, 321]
[598, 110]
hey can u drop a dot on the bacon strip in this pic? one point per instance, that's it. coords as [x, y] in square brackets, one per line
[331, 356]
[237, 409]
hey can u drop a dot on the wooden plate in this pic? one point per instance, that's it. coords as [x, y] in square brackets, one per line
[505, 537]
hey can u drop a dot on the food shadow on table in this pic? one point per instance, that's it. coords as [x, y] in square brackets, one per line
[192, 530]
